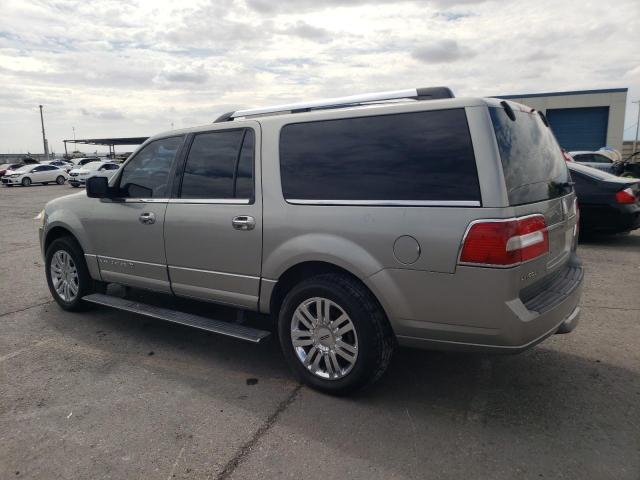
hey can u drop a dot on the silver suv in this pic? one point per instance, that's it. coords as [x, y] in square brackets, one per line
[410, 218]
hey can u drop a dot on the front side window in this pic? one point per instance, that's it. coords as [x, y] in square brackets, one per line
[220, 166]
[418, 156]
[147, 174]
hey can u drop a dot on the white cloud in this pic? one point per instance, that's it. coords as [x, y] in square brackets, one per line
[442, 51]
[110, 68]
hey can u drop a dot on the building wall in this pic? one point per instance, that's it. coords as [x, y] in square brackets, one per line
[615, 99]
[627, 149]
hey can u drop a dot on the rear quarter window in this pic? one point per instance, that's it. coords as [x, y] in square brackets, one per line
[418, 156]
[533, 165]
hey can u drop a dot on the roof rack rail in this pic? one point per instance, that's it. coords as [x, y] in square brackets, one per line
[431, 93]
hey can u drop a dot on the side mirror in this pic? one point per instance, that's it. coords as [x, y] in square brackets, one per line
[97, 187]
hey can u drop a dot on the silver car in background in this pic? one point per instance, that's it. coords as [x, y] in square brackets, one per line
[407, 218]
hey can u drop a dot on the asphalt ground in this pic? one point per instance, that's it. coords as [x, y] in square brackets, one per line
[106, 394]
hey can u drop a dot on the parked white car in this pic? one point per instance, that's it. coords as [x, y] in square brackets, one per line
[29, 174]
[78, 176]
[599, 159]
[62, 164]
[80, 161]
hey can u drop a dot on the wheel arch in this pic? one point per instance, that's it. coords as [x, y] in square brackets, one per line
[62, 230]
[56, 232]
[274, 297]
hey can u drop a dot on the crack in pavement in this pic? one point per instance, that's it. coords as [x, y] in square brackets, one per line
[244, 451]
[25, 308]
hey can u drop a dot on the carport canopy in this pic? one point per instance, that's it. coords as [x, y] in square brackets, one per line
[109, 142]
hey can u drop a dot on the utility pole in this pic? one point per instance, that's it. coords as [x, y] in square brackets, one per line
[44, 138]
[635, 142]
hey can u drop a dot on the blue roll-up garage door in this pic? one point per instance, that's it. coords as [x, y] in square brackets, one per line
[580, 128]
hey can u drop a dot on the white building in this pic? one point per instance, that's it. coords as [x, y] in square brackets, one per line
[582, 120]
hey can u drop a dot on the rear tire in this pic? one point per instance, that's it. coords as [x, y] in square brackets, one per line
[67, 274]
[332, 355]
[60, 180]
[26, 182]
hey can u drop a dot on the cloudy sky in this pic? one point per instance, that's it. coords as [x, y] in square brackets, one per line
[112, 68]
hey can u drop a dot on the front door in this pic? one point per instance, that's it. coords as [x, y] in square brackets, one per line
[40, 174]
[127, 231]
[213, 229]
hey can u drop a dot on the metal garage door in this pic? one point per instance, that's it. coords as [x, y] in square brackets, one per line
[580, 128]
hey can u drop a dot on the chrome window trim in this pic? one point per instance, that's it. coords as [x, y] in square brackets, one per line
[212, 201]
[140, 200]
[388, 203]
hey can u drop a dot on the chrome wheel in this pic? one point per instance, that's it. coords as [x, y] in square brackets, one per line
[64, 276]
[324, 338]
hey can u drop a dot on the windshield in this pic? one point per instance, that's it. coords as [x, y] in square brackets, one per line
[23, 169]
[534, 168]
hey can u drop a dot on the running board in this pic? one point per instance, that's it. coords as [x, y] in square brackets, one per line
[209, 324]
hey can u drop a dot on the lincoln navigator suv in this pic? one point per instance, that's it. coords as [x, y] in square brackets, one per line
[357, 224]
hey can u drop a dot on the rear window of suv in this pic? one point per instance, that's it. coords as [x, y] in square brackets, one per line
[533, 165]
[421, 156]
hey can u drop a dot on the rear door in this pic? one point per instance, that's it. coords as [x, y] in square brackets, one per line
[49, 173]
[537, 178]
[213, 229]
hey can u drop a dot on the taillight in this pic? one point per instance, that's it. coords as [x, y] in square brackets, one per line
[625, 196]
[505, 242]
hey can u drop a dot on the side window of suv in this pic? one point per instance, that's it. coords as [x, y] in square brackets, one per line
[409, 158]
[147, 174]
[220, 166]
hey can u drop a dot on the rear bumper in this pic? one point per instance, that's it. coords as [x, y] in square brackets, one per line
[467, 313]
[570, 323]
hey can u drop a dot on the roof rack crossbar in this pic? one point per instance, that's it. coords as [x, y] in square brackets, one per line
[431, 93]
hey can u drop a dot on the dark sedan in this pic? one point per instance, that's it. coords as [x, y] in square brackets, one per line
[608, 204]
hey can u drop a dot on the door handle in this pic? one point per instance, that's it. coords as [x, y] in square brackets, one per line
[147, 218]
[243, 222]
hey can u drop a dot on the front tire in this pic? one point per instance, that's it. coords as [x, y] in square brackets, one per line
[26, 182]
[60, 180]
[334, 334]
[67, 274]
